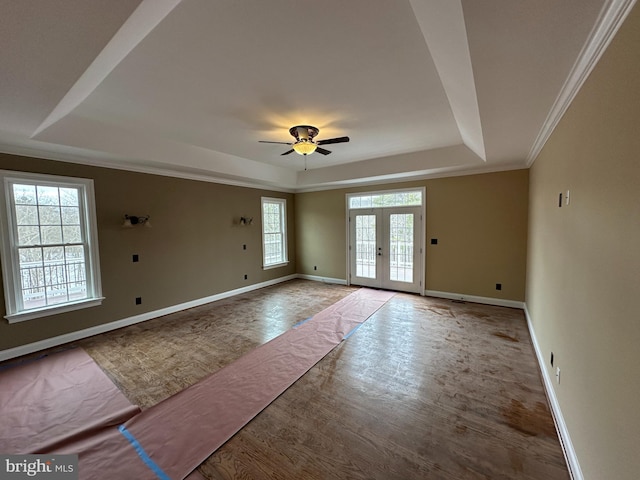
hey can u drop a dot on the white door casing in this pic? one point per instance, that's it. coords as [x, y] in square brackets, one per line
[385, 248]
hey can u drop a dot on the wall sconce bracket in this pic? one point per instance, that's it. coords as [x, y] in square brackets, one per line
[136, 220]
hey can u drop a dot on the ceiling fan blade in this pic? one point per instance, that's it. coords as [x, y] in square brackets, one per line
[333, 140]
[322, 151]
[281, 143]
[288, 152]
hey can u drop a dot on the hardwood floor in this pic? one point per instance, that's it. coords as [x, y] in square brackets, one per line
[426, 389]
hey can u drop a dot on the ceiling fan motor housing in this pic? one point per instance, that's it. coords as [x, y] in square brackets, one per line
[304, 132]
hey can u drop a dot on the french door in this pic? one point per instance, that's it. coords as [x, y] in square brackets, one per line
[385, 248]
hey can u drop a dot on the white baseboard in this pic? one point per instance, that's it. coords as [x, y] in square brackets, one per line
[500, 302]
[561, 427]
[125, 322]
[98, 329]
[316, 278]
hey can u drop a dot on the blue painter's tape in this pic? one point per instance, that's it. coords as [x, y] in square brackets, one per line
[142, 454]
[352, 331]
[301, 322]
[19, 363]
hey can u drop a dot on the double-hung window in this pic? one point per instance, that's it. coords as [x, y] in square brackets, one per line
[274, 232]
[49, 245]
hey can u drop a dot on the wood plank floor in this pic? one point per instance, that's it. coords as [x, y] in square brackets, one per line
[426, 389]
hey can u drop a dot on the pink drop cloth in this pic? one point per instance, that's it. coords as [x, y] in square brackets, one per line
[182, 431]
[51, 401]
[173, 437]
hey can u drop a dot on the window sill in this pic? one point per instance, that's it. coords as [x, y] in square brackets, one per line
[48, 311]
[275, 265]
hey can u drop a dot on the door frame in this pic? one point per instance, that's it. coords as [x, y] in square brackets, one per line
[421, 269]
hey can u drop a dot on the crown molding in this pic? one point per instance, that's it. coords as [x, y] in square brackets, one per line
[90, 159]
[611, 17]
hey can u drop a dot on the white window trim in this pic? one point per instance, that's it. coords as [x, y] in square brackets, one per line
[8, 250]
[285, 250]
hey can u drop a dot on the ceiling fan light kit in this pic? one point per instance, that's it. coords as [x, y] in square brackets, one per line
[304, 147]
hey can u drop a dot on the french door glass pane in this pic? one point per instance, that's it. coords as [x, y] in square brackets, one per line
[366, 246]
[401, 247]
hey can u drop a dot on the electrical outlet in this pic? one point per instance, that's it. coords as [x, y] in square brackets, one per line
[558, 374]
[498, 286]
[246, 276]
[315, 267]
[244, 247]
[135, 258]
[138, 300]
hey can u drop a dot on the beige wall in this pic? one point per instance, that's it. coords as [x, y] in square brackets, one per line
[194, 249]
[583, 281]
[480, 222]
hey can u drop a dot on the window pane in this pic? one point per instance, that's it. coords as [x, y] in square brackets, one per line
[393, 199]
[401, 245]
[69, 197]
[53, 254]
[48, 195]
[70, 215]
[28, 236]
[33, 296]
[49, 215]
[24, 194]
[71, 234]
[51, 234]
[74, 253]
[52, 275]
[273, 248]
[272, 218]
[30, 256]
[55, 275]
[26, 215]
[57, 294]
[76, 272]
[366, 246]
[31, 277]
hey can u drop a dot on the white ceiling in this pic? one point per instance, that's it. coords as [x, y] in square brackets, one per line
[187, 88]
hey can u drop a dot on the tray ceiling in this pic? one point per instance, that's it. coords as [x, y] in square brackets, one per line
[187, 88]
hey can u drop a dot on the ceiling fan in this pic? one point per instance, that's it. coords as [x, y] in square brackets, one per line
[305, 144]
